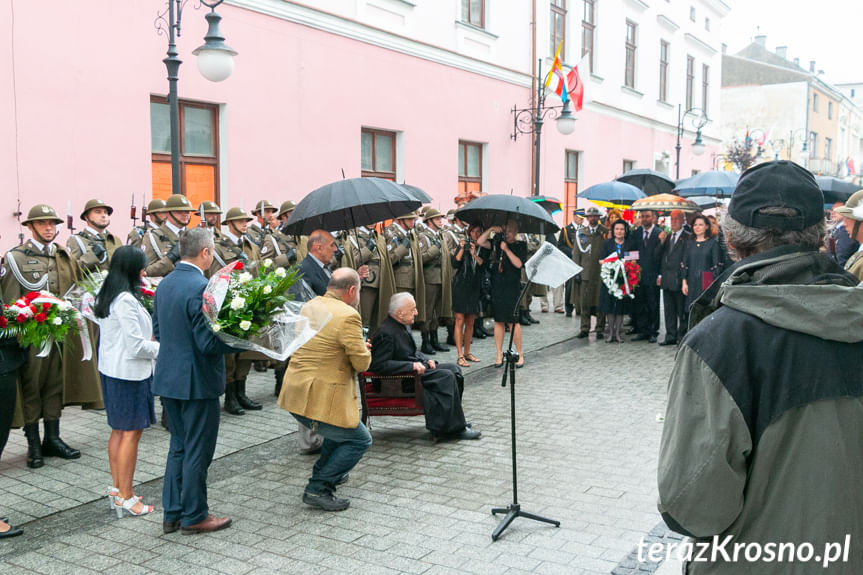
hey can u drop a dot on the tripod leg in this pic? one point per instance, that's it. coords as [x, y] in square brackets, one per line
[497, 510]
[513, 513]
[538, 518]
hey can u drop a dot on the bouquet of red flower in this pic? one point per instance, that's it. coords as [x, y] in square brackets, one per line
[38, 319]
[148, 294]
[619, 276]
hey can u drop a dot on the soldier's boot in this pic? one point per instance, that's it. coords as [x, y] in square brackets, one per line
[529, 317]
[569, 308]
[435, 343]
[34, 446]
[243, 399]
[522, 318]
[450, 334]
[53, 446]
[478, 332]
[280, 370]
[231, 404]
[260, 366]
[426, 346]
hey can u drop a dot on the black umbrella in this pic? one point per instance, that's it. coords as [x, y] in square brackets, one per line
[835, 190]
[497, 209]
[650, 182]
[346, 204]
[417, 193]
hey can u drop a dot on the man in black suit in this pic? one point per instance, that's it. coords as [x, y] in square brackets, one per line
[670, 280]
[648, 237]
[394, 351]
[315, 266]
[190, 377]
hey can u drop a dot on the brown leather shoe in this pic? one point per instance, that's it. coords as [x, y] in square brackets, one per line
[208, 525]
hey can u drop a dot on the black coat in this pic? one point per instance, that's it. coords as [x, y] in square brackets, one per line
[394, 349]
[648, 253]
[670, 260]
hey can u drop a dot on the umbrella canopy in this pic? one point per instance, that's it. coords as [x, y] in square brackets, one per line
[705, 202]
[549, 204]
[836, 190]
[650, 182]
[417, 193]
[665, 203]
[497, 209]
[716, 183]
[346, 204]
[611, 194]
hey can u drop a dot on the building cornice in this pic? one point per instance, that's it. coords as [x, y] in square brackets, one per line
[692, 39]
[667, 22]
[355, 30]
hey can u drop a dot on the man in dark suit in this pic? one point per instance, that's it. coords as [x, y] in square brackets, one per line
[648, 237]
[315, 266]
[190, 377]
[670, 280]
[394, 351]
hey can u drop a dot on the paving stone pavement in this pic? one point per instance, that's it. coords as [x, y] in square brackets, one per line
[588, 439]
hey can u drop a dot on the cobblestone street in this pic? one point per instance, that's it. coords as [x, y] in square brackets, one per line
[588, 436]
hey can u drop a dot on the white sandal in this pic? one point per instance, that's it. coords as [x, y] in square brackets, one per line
[113, 493]
[124, 506]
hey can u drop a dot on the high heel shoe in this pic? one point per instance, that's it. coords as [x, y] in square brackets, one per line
[113, 493]
[124, 506]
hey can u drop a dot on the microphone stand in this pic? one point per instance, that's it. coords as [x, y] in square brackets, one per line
[514, 509]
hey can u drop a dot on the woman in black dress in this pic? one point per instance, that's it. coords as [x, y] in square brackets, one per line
[507, 258]
[612, 307]
[702, 260]
[12, 357]
[467, 274]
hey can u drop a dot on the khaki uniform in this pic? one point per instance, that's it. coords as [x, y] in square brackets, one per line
[365, 253]
[854, 265]
[48, 383]
[437, 274]
[281, 248]
[136, 235]
[157, 244]
[258, 234]
[405, 254]
[80, 247]
[586, 248]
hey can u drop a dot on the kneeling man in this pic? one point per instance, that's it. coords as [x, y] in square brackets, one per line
[394, 351]
[319, 389]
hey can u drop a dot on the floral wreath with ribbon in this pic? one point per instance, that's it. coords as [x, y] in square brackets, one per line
[620, 276]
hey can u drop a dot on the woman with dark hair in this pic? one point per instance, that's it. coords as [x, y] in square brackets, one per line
[702, 260]
[614, 308]
[467, 265]
[507, 258]
[126, 355]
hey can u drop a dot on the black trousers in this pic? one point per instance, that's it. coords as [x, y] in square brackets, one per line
[675, 314]
[647, 308]
[8, 392]
[442, 399]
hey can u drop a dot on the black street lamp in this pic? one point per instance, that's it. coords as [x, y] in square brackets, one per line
[215, 62]
[530, 120]
[699, 119]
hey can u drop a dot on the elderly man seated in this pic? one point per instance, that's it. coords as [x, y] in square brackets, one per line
[394, 351]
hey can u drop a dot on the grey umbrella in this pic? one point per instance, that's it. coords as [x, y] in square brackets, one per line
[836, 190]
[498, 209]
[650, 182]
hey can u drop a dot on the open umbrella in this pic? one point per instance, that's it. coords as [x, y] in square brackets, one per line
[650, 182]
[836, 190]
[417, 193]
[716, 183]
[497, 209]
[549, 204]
[705, 202]
[611, 194]
[346, 204]
[665, 203]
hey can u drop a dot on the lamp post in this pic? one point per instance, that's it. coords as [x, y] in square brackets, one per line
[792, 139]
[530, 121]
[699, 119]
[215, 62]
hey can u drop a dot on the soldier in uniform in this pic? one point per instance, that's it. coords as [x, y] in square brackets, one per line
[155, 217]
[162, 245]
[212, 215]
[406, 258]
[586, 247]
[231, 246]
[265, 213]
[437, 274]
[279, 246]
[852, 211]
[46, 383]
[453, 235]
[565, 243]
[93, 246]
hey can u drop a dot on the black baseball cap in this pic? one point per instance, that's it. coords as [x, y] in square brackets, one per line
[781, 184]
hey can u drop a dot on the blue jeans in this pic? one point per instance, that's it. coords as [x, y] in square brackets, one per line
[341, 451]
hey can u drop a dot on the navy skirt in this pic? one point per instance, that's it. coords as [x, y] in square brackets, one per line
[128, 404]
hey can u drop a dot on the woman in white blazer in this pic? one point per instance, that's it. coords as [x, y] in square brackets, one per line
[126, 356]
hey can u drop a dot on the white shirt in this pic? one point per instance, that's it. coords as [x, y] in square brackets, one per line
[323, 265]
[126, 347]
[173, 228]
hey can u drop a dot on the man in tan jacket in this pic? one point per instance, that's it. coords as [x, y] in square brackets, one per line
[319, 388]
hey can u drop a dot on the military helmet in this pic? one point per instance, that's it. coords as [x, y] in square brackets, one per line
[431, 213]
[263, 205]
[42, 212]
[210, 207]
[237, 214]
[408, 216]
[286, 208]
[450, 215]
[96, 204]
[178, 203]
[156, 206]
[853, 207]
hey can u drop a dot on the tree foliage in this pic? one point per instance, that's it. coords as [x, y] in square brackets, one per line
[740, 154]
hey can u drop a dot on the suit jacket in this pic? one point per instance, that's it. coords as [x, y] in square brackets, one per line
[670, 261]
[394, 349]
[648, 253]
[314, 275]
[319, 382]
[191, 363]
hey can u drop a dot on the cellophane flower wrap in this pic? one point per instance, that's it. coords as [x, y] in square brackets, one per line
[620, 276]
[40, 319]
[83, 294]
[256, 312]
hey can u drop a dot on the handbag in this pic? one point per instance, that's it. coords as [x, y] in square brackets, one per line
[706, 280]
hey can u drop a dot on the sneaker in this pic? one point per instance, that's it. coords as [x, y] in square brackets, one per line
[326, 501]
